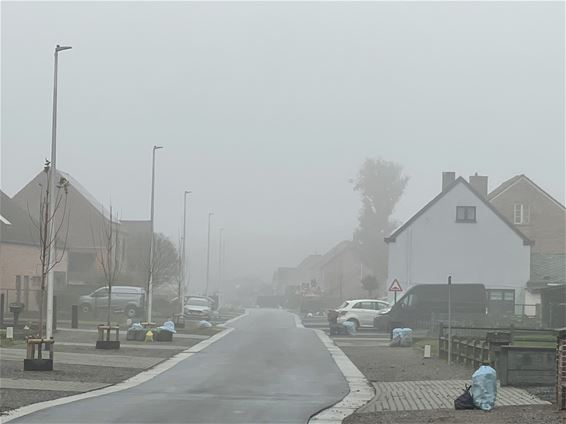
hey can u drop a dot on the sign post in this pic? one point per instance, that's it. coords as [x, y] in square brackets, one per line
[449, 320]
[395, 287]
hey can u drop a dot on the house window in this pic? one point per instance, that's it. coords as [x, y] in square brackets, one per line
[521, 214]
[465, 214]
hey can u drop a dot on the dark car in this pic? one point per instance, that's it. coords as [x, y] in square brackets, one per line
[424, 302]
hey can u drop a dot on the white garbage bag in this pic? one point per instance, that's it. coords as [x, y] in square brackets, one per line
[484, 387]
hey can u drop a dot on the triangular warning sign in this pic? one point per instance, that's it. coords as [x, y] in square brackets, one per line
[395, 286]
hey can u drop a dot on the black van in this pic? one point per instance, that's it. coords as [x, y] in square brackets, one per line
[424, 301]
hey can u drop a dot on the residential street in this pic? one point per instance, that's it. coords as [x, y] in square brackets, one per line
[267, 370]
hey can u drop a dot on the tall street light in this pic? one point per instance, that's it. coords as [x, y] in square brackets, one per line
[220, 241]
[183, 282]
[208, 255]
[51, 206]
[151, 238]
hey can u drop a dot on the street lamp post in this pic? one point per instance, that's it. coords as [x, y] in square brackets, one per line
[151, 238]
[220, 241]
[182, 284]
[208, 255]
[51, 206]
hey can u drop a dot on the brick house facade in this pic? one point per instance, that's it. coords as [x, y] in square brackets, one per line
[20, 266]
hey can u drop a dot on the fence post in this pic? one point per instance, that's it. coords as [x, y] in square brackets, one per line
[2, 310]
[75, 316]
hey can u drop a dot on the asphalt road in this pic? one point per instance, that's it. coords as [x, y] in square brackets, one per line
[266, 371]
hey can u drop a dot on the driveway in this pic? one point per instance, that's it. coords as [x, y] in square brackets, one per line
[265, 371]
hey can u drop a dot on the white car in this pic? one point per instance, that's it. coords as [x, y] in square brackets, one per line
[198, 307]
[362, 311]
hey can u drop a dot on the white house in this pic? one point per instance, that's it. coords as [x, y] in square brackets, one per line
[459, 233]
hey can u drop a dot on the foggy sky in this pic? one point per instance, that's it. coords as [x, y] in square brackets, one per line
[266, 110]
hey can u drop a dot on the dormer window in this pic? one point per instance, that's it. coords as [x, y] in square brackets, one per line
[465, 214]
[521, 214]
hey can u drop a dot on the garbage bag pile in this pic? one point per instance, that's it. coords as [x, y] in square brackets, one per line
[402, 337]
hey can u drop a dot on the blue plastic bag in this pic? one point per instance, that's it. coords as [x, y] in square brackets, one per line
[169, 326]
[350, 327]
[484, 387]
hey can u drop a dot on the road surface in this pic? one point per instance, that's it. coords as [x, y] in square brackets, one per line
[265, 371]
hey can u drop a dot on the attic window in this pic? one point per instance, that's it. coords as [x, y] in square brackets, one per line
[465, 214]
[521, 214]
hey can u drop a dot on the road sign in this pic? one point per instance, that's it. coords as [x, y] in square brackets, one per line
[395, 286]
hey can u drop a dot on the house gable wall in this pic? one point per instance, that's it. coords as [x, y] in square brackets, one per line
[547, 222]
[435, 246]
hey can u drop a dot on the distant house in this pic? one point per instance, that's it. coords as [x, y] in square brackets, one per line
[87, 218]
[542, 219]
[461, 234]
[20, 265]
[342, 270]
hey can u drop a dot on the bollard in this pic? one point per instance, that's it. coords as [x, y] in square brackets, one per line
[54, 313]
[10, 333]
[75, 316]
[2, 310]
[427, 352]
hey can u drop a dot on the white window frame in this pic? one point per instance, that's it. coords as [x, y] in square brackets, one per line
[521, 214]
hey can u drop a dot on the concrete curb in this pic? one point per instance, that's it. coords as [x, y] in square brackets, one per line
[232, 320]
[361, 391]
[136, 380]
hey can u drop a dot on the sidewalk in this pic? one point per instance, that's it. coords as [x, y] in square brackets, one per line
[412, 389]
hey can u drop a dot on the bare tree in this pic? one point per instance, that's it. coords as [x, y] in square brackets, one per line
[47, 241]
[109, 256]
[370, 283]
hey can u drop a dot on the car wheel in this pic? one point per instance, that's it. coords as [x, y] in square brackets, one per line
[356, 323]
[85, 308]
[131, 311]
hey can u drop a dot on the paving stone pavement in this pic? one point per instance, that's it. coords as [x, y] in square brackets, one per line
[59, 386]
[363, 341]
[179, 335]
[436, 394]
[120, 361]
[132, 346]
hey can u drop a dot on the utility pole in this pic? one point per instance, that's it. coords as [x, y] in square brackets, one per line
[183, 282]
[220, 241]
[51, 201]
[449, 320]
[151, 238]
[208, 255]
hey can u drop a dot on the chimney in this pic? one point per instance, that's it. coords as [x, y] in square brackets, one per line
[479, 184]
[447, 179]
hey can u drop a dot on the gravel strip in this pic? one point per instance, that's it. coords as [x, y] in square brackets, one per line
[12, 399]
[402, 364]
[67, 372]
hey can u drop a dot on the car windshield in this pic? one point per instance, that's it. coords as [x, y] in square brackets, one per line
[197, 302]
[344, 305]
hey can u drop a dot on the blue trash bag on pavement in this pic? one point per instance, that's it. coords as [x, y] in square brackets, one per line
[204, 324]
[169, 326]
[350, 327]
[484, 387]
[406, 337]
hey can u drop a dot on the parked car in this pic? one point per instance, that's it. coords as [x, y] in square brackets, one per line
[128, 299]
[198, 307]
[424, 301]
[361, 311]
